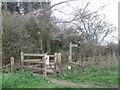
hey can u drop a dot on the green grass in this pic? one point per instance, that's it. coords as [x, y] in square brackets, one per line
[99, 76]
[94, 77]
[26, 80]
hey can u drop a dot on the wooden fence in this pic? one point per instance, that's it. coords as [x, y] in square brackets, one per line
[51, 63]
[97, 60]
[42, 65]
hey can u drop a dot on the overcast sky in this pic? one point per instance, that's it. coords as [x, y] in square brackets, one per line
[110, 11]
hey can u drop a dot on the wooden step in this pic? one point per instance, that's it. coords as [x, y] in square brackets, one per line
[49, 71]
[36, 74]
[53, 66]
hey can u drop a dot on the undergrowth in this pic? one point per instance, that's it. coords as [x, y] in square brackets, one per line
[106, 76]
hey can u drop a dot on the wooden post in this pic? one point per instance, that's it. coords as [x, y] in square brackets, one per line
[79, 60]
[70, 51]
[109, 58]
[45, 71]
[47, 59]
[69, 59]
[22, 63]
[59, 58]
[70, 56]
[22, 56]
[83, 62]
[55, 61]
[12, 64]
[114, 58]
[55, 58]
[100, 57]
[58, 61]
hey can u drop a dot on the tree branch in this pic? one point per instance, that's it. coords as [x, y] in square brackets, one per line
[61, 3]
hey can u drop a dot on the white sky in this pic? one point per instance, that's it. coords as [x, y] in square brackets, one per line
[110, 11]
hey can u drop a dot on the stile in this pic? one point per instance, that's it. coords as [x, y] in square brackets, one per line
[42, 65]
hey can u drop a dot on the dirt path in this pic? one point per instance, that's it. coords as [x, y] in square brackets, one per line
[62, 82]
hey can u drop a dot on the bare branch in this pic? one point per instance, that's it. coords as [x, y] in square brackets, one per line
[61, 3]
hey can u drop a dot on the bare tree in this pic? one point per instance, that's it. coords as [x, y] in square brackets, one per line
[91, 25]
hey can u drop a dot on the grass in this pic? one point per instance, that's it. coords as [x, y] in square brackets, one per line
[98, 76]
[26, 80]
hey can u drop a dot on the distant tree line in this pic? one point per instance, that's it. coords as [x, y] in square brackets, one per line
[23, 7]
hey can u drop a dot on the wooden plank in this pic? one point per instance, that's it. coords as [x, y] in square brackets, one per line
[33, 61]
[36, 74]
[55, 55]
[33, 68]
[36, 65]
[33, 54]
[51, 63]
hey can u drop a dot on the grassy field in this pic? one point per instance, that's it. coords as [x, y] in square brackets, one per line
[94, 76]
[26, 80]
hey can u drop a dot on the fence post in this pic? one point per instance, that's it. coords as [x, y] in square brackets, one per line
[114, 58]
[59, 61]
[59, 58]
[22, 58]
[12, 64]
[70, 53]
[55, 61]
[69, 59]
[45, 72]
